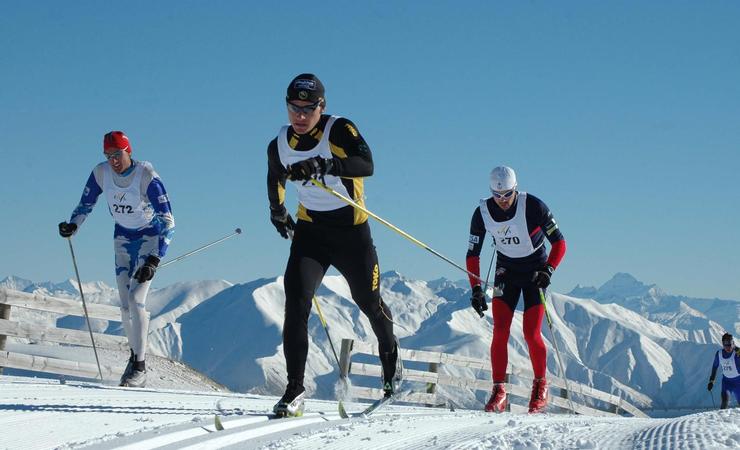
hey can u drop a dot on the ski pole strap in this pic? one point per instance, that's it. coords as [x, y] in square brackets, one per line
[354, 204]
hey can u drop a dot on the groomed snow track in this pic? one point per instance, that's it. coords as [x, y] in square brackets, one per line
[42, 414]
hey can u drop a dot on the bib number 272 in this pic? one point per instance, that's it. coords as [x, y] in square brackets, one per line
[123, 209]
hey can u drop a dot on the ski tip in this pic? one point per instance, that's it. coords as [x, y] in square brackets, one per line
[342, 412]
[217, 423]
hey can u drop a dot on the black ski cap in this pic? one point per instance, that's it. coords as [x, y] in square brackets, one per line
[727, 337]
[306, 87]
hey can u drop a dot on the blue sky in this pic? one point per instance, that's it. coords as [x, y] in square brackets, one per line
[622, 116]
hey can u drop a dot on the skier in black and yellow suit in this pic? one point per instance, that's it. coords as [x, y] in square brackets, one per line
[328, 231]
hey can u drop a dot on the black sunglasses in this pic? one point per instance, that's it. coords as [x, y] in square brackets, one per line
[308, 109]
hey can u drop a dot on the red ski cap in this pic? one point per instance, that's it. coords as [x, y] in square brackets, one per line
[116, 139]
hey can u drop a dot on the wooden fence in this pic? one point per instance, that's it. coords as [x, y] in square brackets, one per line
[12, 298]
[434, 378]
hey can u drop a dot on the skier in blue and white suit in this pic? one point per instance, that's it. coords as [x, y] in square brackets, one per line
[729, 360]
[144, 225]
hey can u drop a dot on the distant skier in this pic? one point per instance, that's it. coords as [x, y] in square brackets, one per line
[519, 223]
[328, 231]
[729, 359]
[144, 225]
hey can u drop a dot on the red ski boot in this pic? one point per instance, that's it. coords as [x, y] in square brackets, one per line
[538, 401]
[497, 402]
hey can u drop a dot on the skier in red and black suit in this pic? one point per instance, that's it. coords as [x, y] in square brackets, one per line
[519, 223]
[328, 232]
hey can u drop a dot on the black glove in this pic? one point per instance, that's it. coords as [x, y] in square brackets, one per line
[499, 280]
[67, 229]
[478, 300]
[541, 278]
[283, 222]
[710, 385]
[315, 167]
[146, 272]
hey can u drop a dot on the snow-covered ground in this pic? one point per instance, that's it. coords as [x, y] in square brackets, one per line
[43, 414]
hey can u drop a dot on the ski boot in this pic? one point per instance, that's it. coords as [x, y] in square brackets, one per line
[292, 402]
[392, 370]
[129, 368]
[538, 401]
[136, 379]
[498, 401]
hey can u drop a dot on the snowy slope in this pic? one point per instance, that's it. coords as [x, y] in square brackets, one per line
[658, 355]
[45, 415]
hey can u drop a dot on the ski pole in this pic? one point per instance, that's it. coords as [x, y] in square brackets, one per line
[326, 328]
[557, 351]
[84, 307]
[488, 275]
[237, 231]
[714, 405]
[354, 204]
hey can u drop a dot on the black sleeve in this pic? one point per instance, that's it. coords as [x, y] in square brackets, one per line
[352, 156]
[276, 176]
[539, 215]
[477, 234]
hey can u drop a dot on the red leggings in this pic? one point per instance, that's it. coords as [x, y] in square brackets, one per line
[502, 316]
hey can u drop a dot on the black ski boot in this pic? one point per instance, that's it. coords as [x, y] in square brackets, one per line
[392, 369]
[129, 368]
[292, 402]
[137, 377]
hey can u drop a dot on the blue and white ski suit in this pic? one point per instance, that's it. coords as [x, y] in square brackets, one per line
[144, 226]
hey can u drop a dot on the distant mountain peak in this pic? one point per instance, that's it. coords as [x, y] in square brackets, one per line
[392, 274]
[15, 282]
[622, 285]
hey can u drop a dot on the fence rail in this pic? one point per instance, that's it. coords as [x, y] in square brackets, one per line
[38, 302]
[433, 378]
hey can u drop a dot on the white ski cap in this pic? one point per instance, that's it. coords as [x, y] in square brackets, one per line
[503, 179]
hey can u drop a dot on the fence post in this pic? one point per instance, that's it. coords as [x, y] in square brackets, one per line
[615, 408]
[564, 394]
[432, 387]
[345, 356]
[4, 314]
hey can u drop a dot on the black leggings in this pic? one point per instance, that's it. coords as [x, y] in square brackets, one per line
[350, 250]
[518, 284]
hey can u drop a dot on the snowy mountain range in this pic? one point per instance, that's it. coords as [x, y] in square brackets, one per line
[624, 337]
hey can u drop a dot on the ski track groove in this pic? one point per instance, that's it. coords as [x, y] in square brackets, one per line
[42, 416]
[690, 432]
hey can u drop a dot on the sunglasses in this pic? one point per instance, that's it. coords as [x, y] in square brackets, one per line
[503, 195]
[117, 155]
[308, 109]
[727, 344]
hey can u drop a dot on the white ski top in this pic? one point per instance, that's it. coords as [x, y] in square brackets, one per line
[510, 237]
[729, 368]
[130, 209]
[311, 196]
